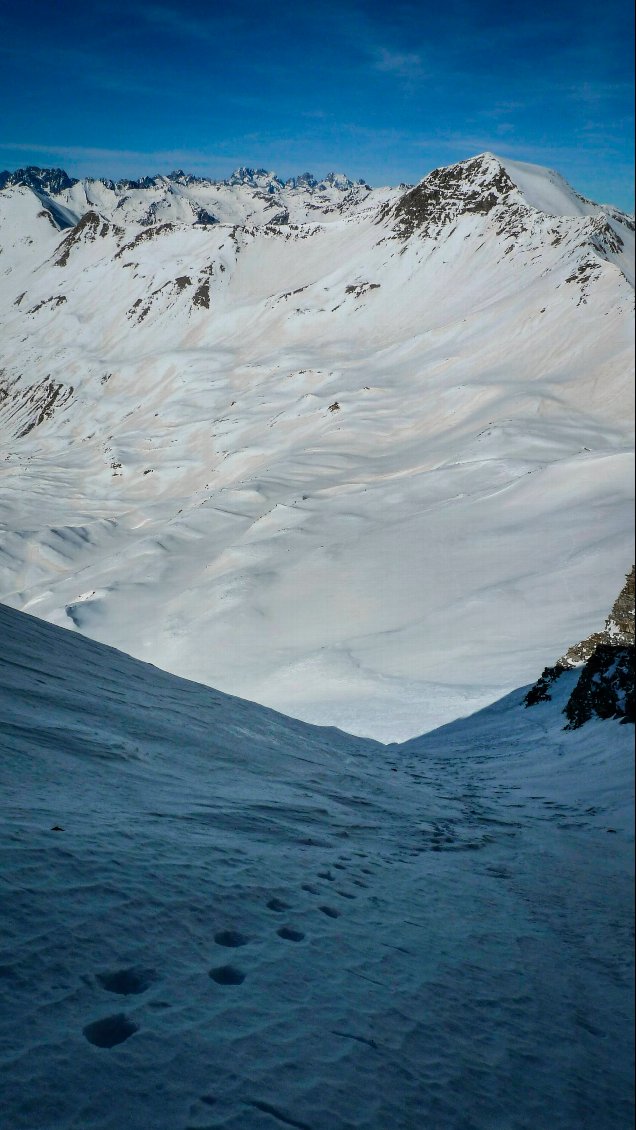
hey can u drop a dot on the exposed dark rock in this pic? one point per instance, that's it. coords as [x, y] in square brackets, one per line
[203, 218]
[148, 233]
[605, 688]
[305, 180]
[40, 402]
[618, 630]
[540, 691]
[87, 228]
[606, 239]
[45, 214]
[57, 300]
[46, 180]
[143, 182]
[201, 296]
[255, 178]
[476, 186]
[361, 288]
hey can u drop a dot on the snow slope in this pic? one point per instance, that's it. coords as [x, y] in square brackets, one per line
[218, 917]
[372, 468]
[549, 192]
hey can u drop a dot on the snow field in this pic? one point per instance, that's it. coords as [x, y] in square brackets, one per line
[461, 516]
[217, 916]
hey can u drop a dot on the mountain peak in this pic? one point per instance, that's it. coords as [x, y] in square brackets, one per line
[255, 178]
[303, 180]
[477, 185]
[483, 183]
[40, 180]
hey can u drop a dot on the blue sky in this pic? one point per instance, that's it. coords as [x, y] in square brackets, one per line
[385, 91]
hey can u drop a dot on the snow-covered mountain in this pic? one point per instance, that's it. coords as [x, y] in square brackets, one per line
[215, 916]
[361, 455]
[248, 196]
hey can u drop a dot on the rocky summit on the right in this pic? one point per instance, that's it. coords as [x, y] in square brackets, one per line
[605, 688]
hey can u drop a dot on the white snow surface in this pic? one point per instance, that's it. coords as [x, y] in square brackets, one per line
[368, 478]
[548, 191]
[248, 923]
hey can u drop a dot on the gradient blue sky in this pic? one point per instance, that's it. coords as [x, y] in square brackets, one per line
[380, 90]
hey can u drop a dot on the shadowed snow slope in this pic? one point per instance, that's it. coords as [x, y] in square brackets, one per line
[218, 917]
[369, 462]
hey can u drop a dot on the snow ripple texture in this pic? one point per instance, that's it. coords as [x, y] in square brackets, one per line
[217, 917]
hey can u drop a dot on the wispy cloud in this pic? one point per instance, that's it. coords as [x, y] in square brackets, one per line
[402, 65]
[145, 160]
[174, 20]
[189, 24]
[593, 93]
[558, 156]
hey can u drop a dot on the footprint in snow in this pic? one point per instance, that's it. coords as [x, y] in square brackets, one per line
[230, 938]
[200, 1113]
[127, 982]
[329, 911]
[110, 1031]
[227, 975]
[278, 905]
[290, 935]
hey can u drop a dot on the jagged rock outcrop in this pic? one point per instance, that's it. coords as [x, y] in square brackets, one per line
[619, 629]
[605, 688]
[40, 180]
[475, 186]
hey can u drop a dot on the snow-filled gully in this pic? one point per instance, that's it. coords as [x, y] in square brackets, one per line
[216, 916]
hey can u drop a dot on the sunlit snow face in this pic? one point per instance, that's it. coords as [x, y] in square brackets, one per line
[329, 463]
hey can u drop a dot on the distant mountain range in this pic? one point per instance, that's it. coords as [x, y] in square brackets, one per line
[56, 180]
[186, 196]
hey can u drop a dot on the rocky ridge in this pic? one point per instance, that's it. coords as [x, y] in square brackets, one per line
[605, 688]
[618, 630]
